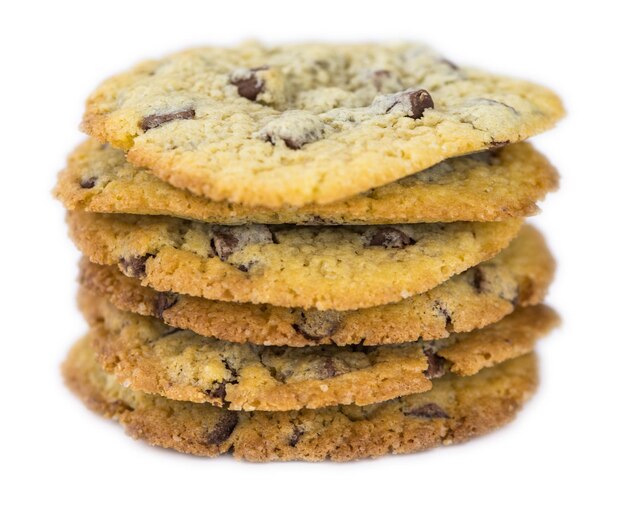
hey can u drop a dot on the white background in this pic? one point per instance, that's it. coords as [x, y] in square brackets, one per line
[566, 450]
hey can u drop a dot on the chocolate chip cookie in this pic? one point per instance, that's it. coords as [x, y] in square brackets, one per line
[488, 186]
[454, 410]
[309, 123]
[518, 276]
[327, 268]
[150, 356]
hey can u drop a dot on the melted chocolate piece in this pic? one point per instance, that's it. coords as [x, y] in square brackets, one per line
[154, 121]
[135, 266]
[428, 411]
[223, 429]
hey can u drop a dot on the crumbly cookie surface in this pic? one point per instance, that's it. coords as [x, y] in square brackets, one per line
[149, 356]
[488, 186]
[456, 409]
[312, 123]
[328, 267]
[518, 276]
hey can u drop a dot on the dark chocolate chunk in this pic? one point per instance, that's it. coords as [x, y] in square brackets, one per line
[218, 390]
[428, 411]
[163, 301]
[436, 365]
[316, 325]
[134, 266]
[379, 77]
[443, 310]
[389, 238]
[420, 101]
[249, 85]
[223, 429]
[224, 242]
[227, 240]
[327, 368]
[449, 63]
[413, 102]
[478, 280]
[294, 143]
[249, 88]
[154, 121]
[294, 129]
[294, 438]
[88, 182]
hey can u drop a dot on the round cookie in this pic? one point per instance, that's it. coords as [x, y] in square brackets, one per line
[149, 356]
[518, 276]
[456, 409]
[327, 267]
[487, 186]
[309, 123]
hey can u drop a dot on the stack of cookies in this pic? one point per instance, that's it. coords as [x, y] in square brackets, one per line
[309, 251]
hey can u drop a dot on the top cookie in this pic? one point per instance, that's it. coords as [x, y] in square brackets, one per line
[310, 123]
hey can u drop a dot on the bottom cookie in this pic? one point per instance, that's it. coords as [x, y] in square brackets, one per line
[455, 410]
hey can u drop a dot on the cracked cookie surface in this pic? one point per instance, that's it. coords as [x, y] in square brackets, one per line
[310, 123]
[327, 267]
[149, 356]
[454, 410]
[518, 276]
[487, 186]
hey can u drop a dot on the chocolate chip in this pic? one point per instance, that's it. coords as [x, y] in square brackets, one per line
[496, 144]
[436, 365]
[420, 101]
[449, 63]
[316, 325]
[231, 369]
[134, 266]
[218, 391]
[223, 429]
[327, 369]
[294, 438]
[248, 84]
[379, 77]
[249, 88]
[443, 310]
[413, 102]
[245, 267]
[154, 121]
[294, 143]
[163, 301]
[227, 240]
[294, 128]
[478, 280]
[428, 411]
[389, 238]
[88, 182]
[224, 243]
